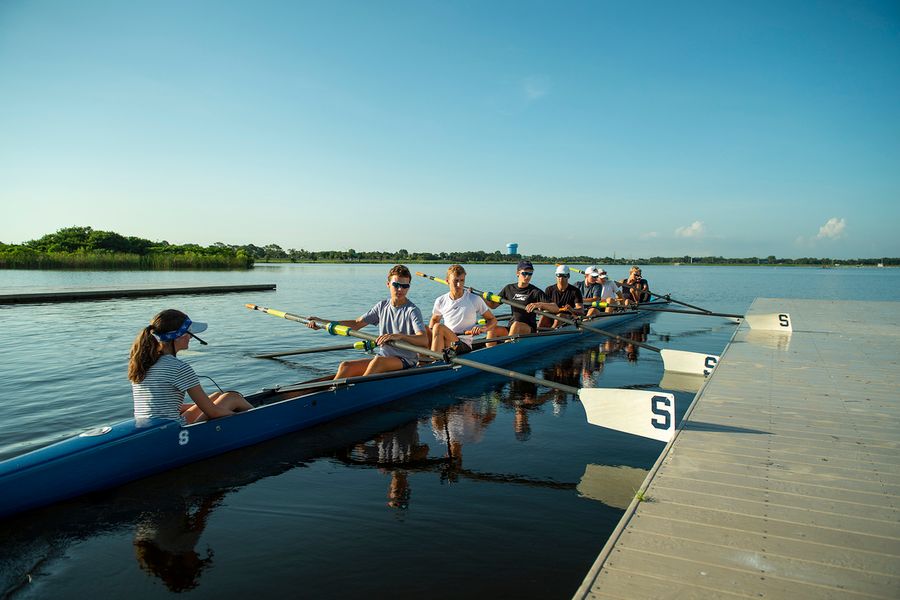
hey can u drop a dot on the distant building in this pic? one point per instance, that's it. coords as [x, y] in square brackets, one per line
[512, 248]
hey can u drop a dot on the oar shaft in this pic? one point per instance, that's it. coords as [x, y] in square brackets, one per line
[347, 331]
[703, 313]
[354, 345]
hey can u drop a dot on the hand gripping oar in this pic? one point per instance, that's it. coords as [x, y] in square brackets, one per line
[679, 361]
[647, 414]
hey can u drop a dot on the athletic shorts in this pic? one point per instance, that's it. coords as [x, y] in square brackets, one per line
[460, 347]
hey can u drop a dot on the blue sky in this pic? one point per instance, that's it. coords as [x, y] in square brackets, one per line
[598, 128]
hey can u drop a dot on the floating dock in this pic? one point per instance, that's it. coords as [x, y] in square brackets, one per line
[78, 294]
[784, 480]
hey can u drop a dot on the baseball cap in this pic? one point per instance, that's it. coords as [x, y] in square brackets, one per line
[524, 265]
[592, 270]
[602, 273]
[562, 270]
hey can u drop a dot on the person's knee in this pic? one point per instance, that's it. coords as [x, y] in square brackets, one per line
[381, 364]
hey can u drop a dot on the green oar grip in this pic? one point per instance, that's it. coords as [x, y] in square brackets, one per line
[491, 297]
[598, 304]
[364, 345]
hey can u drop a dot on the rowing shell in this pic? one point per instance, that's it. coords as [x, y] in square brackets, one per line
[109, 456]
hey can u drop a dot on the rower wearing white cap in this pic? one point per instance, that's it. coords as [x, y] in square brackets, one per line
[566, 297]
[590, 288]
[610, 292]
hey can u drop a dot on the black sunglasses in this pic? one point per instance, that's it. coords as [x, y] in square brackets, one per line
[400, 286]
[526, 273]
[562, 275]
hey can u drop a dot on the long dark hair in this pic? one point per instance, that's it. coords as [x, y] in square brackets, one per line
[146, 349]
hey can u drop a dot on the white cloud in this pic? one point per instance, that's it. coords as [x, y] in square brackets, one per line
[694, 230]
[832, 230]
[534, 88]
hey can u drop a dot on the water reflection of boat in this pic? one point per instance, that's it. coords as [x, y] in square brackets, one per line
[110, 456]
[399, 452]
[168, 511]
[165, 542]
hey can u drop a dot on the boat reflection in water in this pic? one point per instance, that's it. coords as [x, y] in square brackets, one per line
[402, 451]
[165, 542]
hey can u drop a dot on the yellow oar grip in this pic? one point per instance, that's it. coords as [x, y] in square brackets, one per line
[598, 304]
[335, 329]
[440, 280]
[491, 297]
[268, 311]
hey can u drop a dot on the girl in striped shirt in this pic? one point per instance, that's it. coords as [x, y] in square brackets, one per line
[159, 379]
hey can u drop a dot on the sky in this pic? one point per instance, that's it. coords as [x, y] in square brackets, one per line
[601, 128]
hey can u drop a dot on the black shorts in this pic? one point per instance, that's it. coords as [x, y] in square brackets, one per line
[460, 347]
[407, 364]
[532, 323]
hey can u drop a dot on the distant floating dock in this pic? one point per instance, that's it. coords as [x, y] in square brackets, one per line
[784, 480]
[79, 294]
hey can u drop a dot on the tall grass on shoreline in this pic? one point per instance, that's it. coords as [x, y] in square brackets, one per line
[22, 258]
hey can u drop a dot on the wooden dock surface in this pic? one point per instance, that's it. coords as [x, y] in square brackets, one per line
[784, 481]
[77, 294]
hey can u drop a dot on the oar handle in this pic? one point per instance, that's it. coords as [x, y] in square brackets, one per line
[599, 304]
[433, 278]
[335, 329]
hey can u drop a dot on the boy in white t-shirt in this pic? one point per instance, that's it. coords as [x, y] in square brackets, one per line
[459, 309]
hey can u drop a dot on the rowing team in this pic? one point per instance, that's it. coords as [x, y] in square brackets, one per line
[160, 380]
[454, 318]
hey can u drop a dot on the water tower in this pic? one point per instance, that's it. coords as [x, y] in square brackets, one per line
[512, 248]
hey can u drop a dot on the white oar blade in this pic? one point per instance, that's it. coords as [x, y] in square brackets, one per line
[693, 363]
[770, 322]
[647, 414]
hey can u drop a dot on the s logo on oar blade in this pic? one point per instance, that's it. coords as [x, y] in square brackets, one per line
[661, 407]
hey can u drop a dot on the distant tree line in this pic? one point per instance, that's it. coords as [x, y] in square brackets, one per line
[88, 248]
[274, 252]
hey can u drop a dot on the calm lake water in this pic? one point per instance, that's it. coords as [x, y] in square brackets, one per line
[517, 506]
